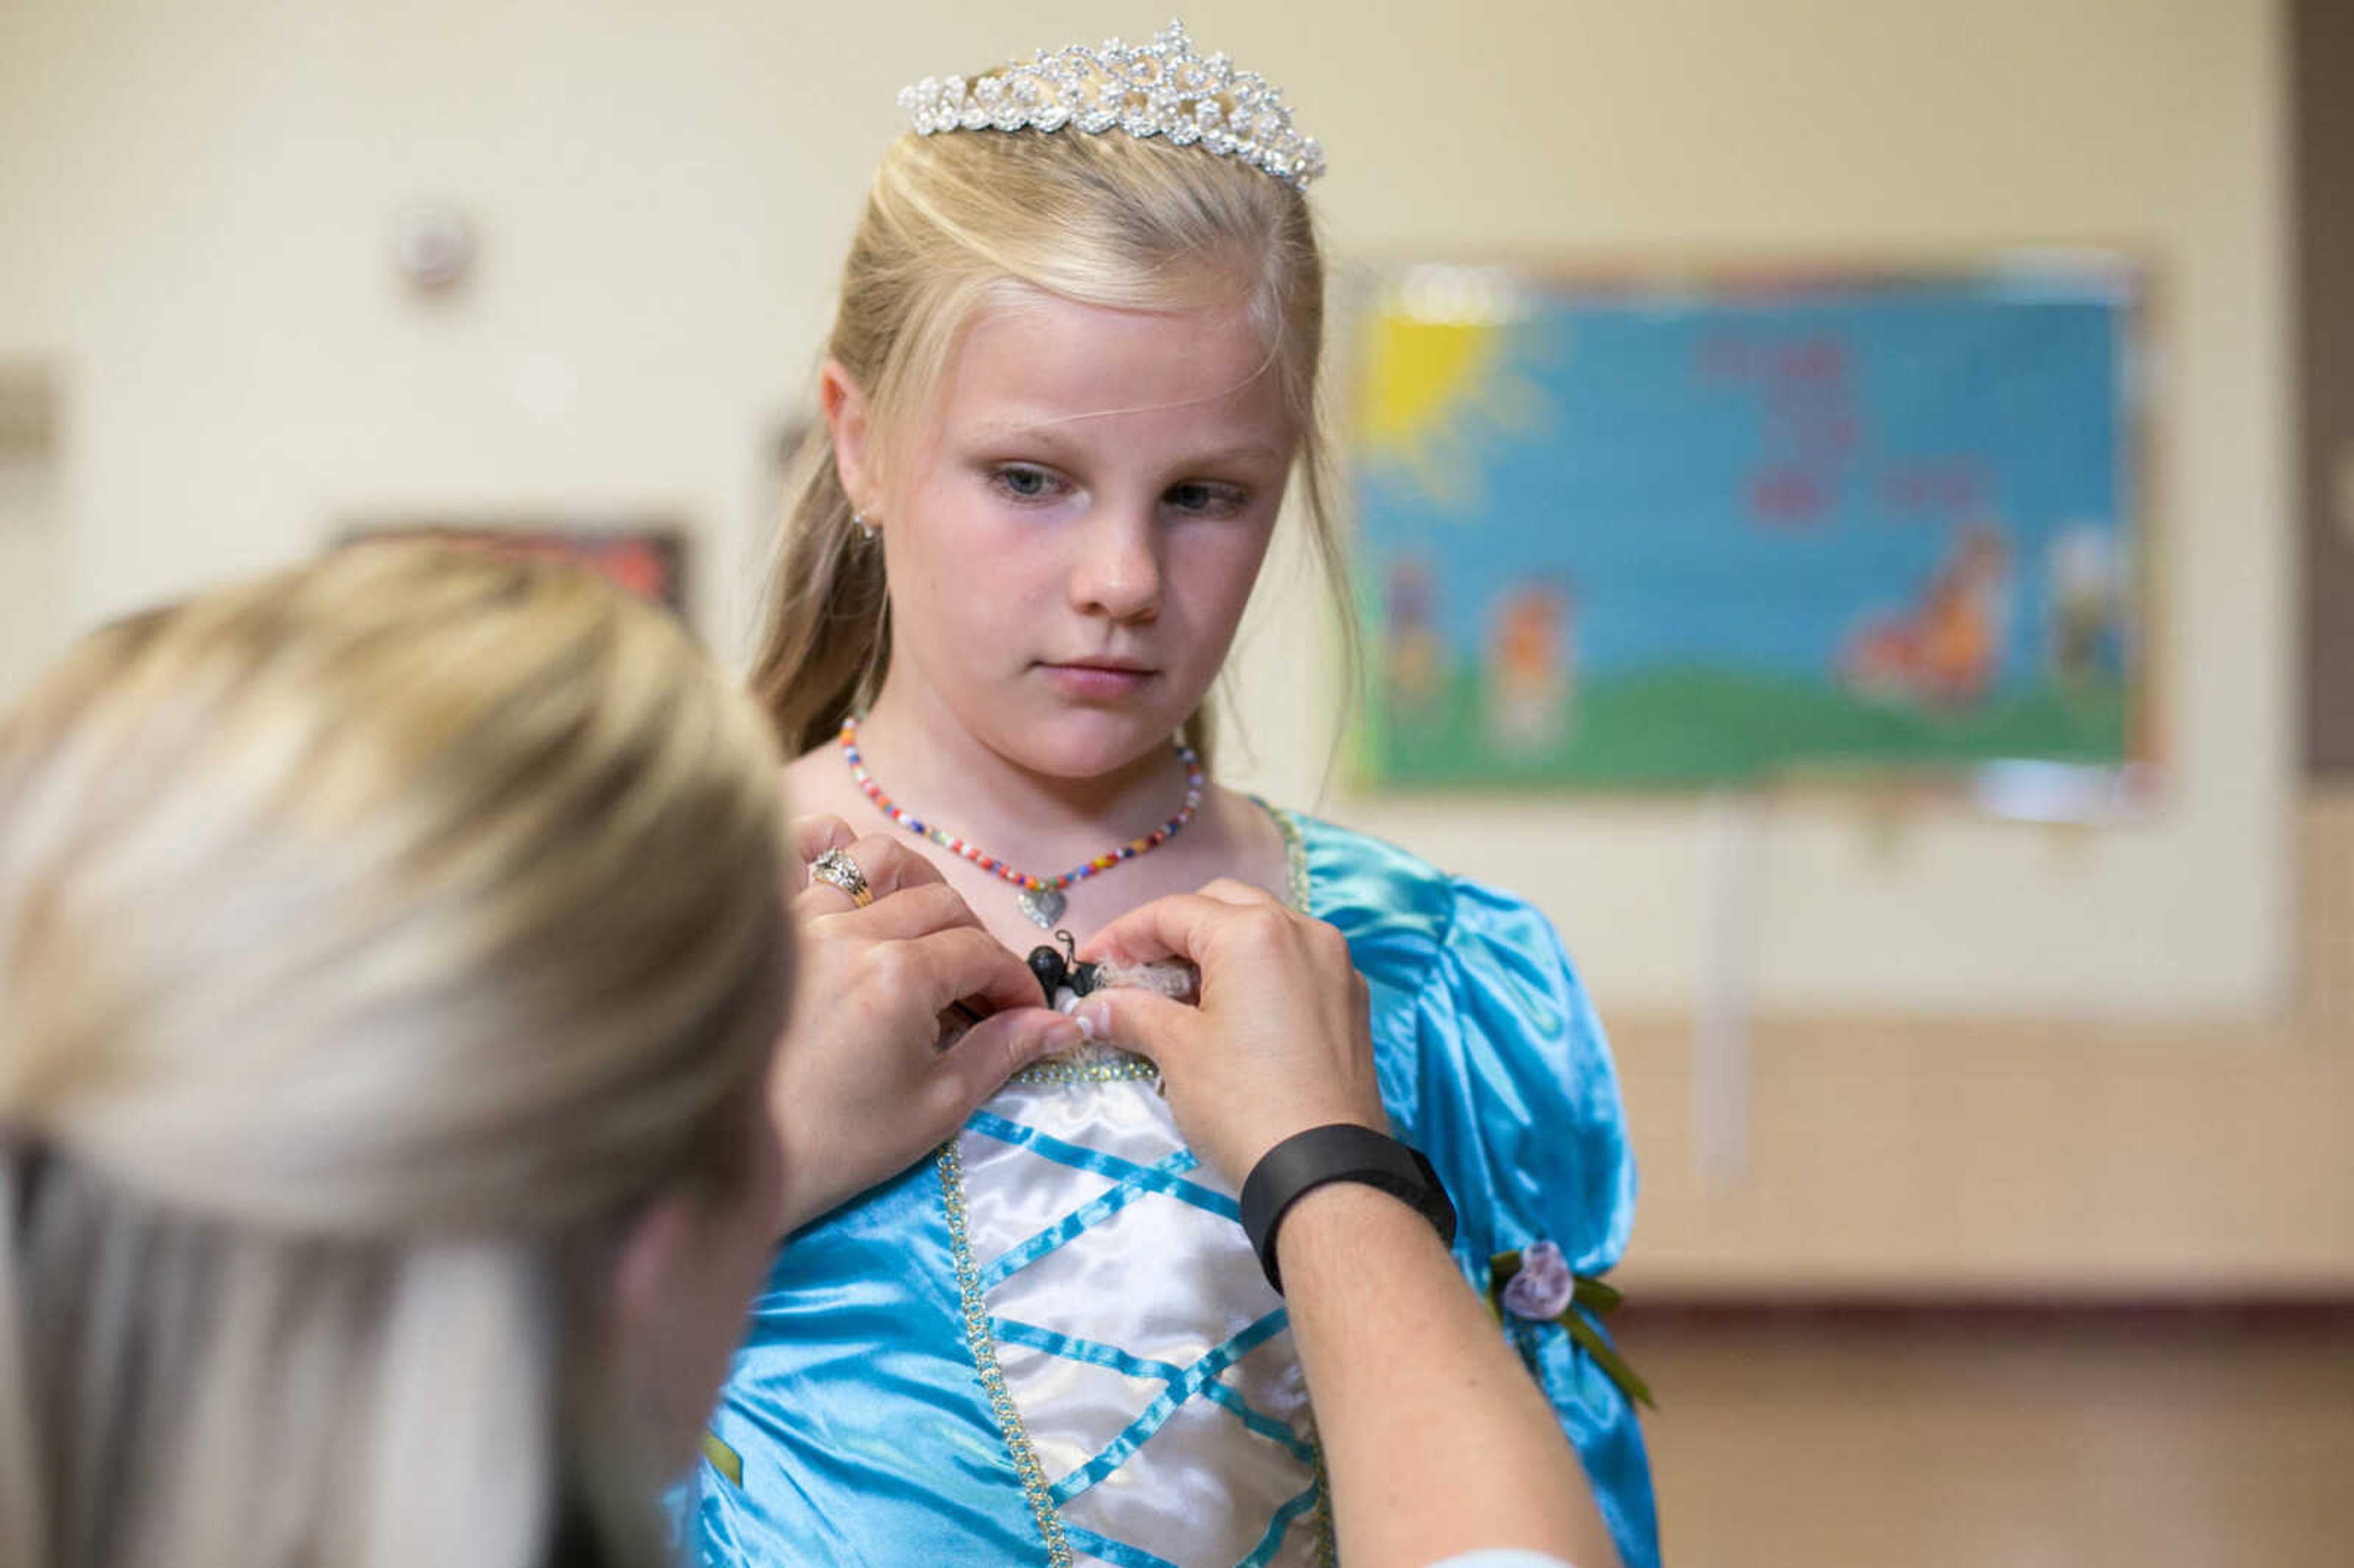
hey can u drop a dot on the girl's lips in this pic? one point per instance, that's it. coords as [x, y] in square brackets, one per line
[1097, 681]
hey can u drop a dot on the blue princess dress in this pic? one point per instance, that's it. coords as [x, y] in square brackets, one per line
[1051, 1343]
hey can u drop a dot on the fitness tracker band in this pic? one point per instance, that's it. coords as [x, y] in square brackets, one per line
[1343, 1151]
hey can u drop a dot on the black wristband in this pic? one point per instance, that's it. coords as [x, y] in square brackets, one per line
[1343, 1151]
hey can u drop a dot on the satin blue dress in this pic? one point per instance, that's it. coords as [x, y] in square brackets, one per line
[1050, 1343]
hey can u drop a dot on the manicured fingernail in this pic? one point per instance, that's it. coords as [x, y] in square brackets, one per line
[1064, 1034]
[1095, 1021]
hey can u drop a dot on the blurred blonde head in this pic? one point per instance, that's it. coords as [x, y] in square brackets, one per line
[957, 223]
[378, 942]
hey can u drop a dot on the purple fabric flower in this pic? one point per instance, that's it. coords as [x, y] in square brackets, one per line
[1541, 1291]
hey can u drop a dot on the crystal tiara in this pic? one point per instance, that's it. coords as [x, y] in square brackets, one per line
[1159, 89]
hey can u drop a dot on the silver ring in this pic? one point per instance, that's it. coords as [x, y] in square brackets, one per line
[836, 867]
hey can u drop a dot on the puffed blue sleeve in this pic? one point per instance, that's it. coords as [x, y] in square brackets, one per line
[1492, 1063]
[1519, 1111]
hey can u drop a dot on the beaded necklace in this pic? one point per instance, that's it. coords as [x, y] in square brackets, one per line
[1041, 898]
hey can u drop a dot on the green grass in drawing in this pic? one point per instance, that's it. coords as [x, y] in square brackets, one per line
[1684, 728]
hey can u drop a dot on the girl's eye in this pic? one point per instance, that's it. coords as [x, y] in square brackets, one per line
[1025, 482]
[1205, 500]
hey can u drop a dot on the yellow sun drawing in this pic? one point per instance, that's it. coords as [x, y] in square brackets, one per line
[1425, 382]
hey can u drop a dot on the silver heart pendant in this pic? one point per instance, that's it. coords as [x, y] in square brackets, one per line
[1044, 905]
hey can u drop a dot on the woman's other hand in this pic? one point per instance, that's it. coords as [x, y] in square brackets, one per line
[864, 1086]
[1435, 1440]
[1278, 1041]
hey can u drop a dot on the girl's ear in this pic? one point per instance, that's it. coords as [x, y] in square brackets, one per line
[843, 403]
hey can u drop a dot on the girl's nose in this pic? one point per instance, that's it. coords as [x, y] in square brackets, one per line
[1118, 572]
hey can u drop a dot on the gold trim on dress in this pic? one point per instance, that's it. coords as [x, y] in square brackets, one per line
[1300, 887]
[1112, 1066]
[982, 1343]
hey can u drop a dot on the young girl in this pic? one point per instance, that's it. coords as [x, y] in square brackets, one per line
[1072, 372]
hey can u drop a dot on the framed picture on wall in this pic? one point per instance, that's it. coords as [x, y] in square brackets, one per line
[648, 559]
[1684, 532]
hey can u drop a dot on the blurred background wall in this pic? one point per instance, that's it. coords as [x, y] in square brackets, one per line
[200, 198]
[1987, 1063]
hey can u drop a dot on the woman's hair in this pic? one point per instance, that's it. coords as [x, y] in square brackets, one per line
[375, 940]
[957, 222]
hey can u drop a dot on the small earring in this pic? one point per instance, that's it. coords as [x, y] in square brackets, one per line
[866, 530]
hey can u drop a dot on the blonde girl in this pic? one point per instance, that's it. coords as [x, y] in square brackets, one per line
[1071, 381]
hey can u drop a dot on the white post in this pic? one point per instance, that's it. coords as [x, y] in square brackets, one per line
[1735, 829]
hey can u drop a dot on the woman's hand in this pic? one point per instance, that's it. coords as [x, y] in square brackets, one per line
[863, 1084]
[1435, 1440]
[1278, 1042]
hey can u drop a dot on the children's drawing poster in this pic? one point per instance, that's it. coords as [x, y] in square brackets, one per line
[1639, 534]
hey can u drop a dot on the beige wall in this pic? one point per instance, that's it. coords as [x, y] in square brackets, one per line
[197, 198]
[193, 206]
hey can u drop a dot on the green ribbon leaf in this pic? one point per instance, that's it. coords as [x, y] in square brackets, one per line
[724, 1460]
[1614, 1366]
[1594, 1297]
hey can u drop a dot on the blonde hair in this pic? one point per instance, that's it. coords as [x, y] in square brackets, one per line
[956, 222]
[374, 940]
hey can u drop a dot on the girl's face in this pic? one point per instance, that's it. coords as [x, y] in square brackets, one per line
[1072, 540]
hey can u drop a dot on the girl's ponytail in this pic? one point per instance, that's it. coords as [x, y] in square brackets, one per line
[828, 636]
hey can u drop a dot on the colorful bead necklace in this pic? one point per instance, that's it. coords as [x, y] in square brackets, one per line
[1041, 898]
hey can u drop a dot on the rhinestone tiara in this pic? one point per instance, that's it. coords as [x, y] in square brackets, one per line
[1159, 89]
